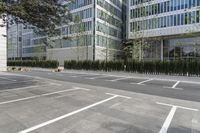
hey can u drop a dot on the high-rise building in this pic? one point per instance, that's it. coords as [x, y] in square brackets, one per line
[95, 34]
[171, 26]
[23, 43]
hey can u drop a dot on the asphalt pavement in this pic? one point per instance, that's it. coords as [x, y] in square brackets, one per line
[172, 88]
[93, 102]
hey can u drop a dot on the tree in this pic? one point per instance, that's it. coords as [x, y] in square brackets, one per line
[140, 41]
[127, 50]
[107, 51]
[79, 31]
[77, 35]
[43, 15]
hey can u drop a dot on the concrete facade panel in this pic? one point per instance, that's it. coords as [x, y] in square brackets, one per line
[62, 54]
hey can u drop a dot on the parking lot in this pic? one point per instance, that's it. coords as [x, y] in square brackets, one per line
[48, 102]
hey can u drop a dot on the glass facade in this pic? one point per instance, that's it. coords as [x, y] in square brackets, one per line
[99, 24]
[168, 21]
[153, 51]
[109, 24]
[77, 32]
[24, 43]
[110, 8]
[104, 23]
[153, 15]
[80, 3]
[172, 4]
[183, 48]
[15, 41]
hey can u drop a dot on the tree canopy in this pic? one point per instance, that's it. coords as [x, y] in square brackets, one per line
[46, 15]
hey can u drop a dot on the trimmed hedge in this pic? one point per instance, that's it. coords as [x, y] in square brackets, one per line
[183, 68]
[94, 65]
[34, 63]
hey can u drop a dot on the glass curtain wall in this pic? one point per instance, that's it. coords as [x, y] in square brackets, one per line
[184, 48]
[158, 15]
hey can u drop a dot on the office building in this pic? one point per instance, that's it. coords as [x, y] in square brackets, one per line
[173, 26]
[23, 43]
[170, 28]
[97, 35]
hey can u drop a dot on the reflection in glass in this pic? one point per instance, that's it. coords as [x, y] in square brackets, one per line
[184, 48]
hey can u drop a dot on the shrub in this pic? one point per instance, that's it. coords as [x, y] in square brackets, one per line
[34, 63]
[178, 67]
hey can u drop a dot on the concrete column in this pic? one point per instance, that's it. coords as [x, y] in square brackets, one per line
[3, 48]
[161, 53]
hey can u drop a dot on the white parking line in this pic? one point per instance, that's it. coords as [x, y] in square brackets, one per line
[101, 76]
[109, 75]
[37, 96]
[168, 120]
[171, 115]
[166, 104]
[8, 79]
[141, 83]
[80, 88]
[174, 86]
[21, 88]
[86, 75]
[26, 81]
[29, 87]
[137, 77]
[112, 94]
[67, 115]
[145, 81]
[114, 80]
